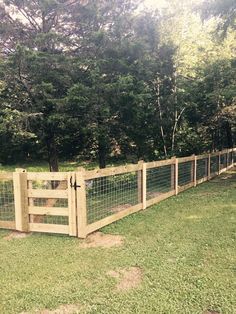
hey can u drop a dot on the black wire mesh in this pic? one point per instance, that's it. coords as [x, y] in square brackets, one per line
[49, 202]
[214, 165]
[160, 180]
[230, 158]
[223, 161]
[185, 173]
[109, 195]
[202, 168]
[7, 208]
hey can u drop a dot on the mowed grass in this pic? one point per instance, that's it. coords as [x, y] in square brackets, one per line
[185, 247]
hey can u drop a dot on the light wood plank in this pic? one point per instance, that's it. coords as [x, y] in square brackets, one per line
[205, 156]
[7, 224]
[209, 167]
[176, 176]
[47, 193]
[108, 220]
[186, 159]
[99, 173]
[81, 204]
[160, 163]
[21, 200]
[144, 186]
[195, 171]
[49, 228]
[139, 183]
[50, 211]
[47, 176]
[6, 176]
[72, 204]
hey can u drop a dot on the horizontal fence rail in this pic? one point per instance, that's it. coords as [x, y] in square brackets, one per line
[78, 203]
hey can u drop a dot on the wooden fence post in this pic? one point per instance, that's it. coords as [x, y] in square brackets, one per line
[176, 176]
[195, 171]
[219, 164]
[21, 200]
[140, 182]
[81, 203]
[72, 204]
[209, 167]
[144, 186]
[192, 168]
[173, 174]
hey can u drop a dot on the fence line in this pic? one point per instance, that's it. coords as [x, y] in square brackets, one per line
[78, 203]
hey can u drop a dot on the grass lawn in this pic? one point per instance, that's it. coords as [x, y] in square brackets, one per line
[184, 247]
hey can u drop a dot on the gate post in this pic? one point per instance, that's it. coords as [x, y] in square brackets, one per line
[21, 200]
[81, 203]
[72, 204]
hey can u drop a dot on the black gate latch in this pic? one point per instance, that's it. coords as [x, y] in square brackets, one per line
[74, 185]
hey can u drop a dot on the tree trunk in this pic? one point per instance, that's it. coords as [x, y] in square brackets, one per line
[52, 155]
[102, 151]
[160, 117]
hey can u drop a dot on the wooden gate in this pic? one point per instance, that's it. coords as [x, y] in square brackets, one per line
[45, 202]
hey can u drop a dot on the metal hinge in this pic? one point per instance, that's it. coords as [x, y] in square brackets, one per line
[74, 185]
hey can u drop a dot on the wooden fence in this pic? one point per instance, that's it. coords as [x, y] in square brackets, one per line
[78, 203]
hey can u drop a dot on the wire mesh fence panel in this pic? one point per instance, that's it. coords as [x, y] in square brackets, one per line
[7, 207]
[160, 180]
[111, 194]
[223, 161]
[214, 165]
[230, 158]
[202, 168]
[185, 173]
[48, 202]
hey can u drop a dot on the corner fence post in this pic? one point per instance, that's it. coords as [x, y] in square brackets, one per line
[81, 203]
[176, 176]
[209, 167]
[172, 184]
[140, 182]
[144, 186]
[72, 204]
[219, 164]
[195, 171]
[21, 200]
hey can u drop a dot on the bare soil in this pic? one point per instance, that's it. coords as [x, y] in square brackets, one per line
[63, 309]
[99, 239]
[129, 278]
[211, 312]
[119, 208]
[16, 235]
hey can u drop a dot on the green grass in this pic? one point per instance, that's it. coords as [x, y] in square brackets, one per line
[185, 246]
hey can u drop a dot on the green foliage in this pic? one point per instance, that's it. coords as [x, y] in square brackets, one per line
[99, 79]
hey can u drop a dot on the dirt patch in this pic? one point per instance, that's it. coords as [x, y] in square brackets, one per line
[16, 235]
[151, 195]
[119, 208]
[99, 239]
[129, 278]
[211, 312]
[63, 309]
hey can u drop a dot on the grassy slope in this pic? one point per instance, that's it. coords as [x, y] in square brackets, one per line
[185, 246]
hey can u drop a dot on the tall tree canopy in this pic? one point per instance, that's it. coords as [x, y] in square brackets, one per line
[102, 79]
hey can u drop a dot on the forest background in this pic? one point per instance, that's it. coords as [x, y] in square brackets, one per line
[116, 80]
